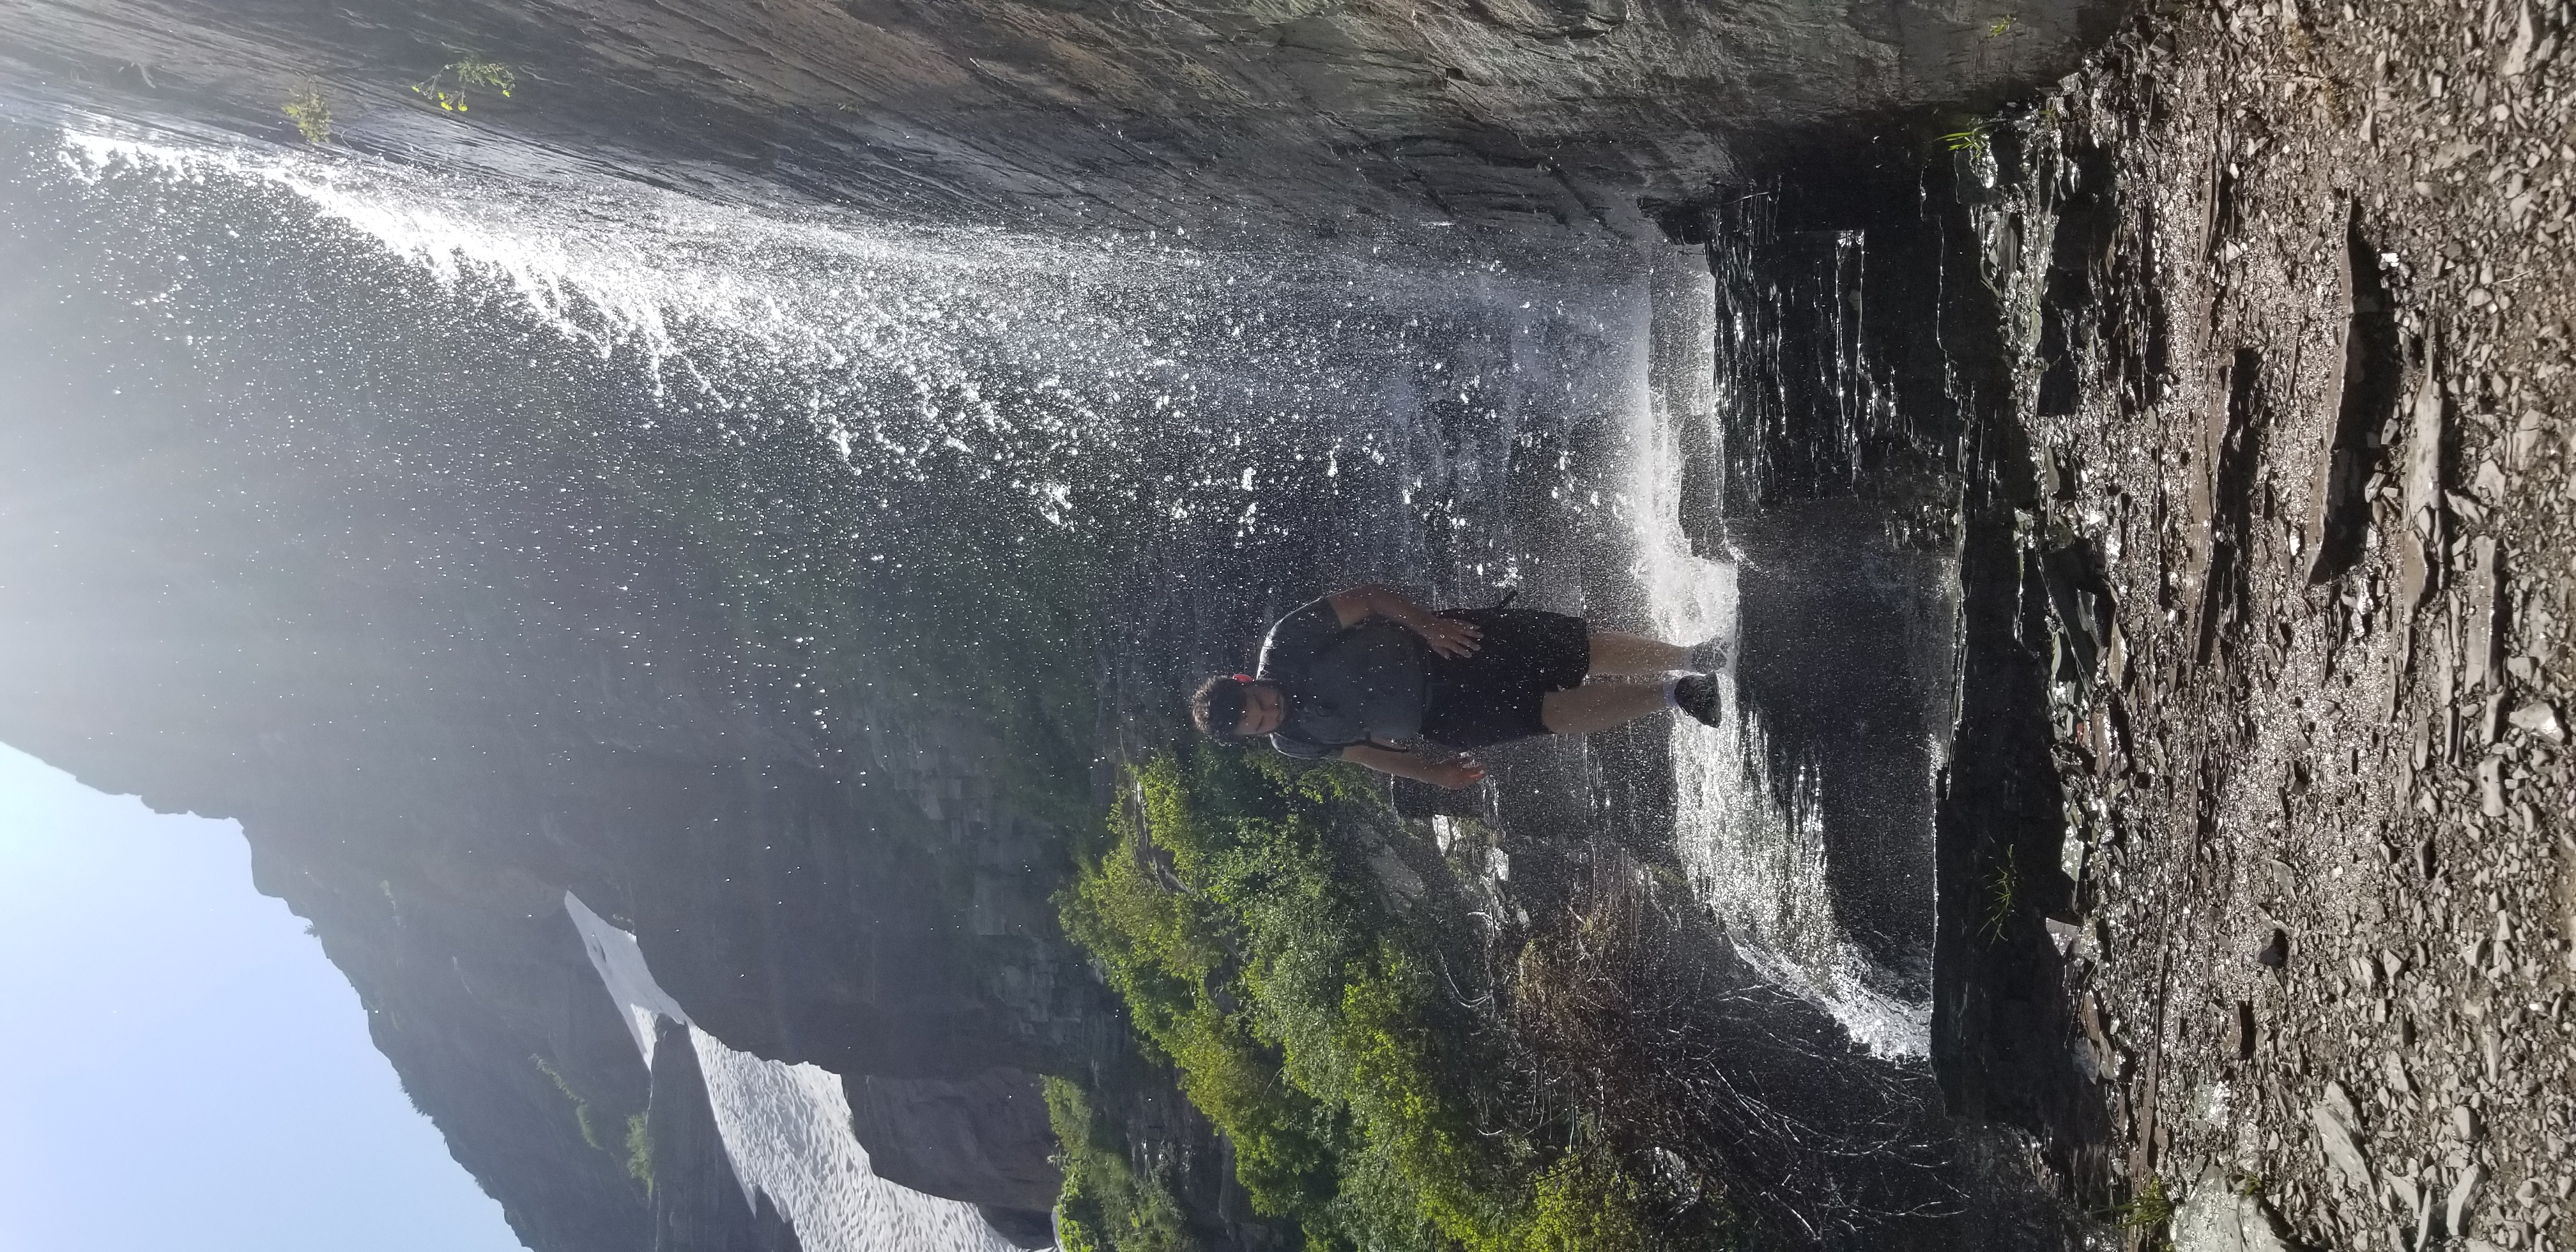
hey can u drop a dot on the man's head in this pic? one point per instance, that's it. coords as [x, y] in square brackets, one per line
[1235, 705]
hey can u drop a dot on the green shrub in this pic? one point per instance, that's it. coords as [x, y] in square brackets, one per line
[1586, 1203]
[1104, 1204]
[1168, 955]
[1233, 911]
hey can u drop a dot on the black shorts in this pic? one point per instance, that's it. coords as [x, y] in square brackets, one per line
[1494, 695]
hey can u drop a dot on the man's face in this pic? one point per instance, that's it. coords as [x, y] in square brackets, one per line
[1262, 710]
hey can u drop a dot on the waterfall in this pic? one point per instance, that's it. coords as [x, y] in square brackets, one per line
[1222, 396]
[1303, 417]
[1759, 864]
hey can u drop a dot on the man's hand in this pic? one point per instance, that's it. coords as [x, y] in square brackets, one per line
[1453, 772]
[1447, 636]
[1450, 636]
[1463, 772]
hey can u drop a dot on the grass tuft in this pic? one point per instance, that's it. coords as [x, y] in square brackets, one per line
[2003, 894]
[2150, 1208]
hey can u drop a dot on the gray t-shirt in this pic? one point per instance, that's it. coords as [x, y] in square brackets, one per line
[1344, 685]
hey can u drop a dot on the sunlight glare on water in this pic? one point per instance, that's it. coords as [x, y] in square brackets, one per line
[1092, 376]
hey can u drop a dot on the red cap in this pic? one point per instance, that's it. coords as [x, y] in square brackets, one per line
[1243, 678]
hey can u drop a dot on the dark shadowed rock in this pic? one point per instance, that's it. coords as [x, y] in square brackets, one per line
[2369, 379]
[983, 1139]
[1025, 1228]
[2275, 951]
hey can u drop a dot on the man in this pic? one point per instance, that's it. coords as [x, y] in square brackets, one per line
[1367, 675]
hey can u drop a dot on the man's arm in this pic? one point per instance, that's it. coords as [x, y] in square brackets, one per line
[1447, 636]
[1454, 773]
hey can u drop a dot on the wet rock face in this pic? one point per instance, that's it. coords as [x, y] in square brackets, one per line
[1216, 116]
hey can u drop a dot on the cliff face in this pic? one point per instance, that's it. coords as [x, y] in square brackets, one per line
[1259, 116]
[424, 760]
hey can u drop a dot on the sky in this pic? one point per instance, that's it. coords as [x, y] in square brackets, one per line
[180, 1067]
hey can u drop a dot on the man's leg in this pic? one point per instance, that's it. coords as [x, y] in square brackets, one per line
[1614, 653]
[1600, 706]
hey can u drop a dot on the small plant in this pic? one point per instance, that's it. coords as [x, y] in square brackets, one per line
[448, 87]
[312, 118]
[2002, 24]
[2148, 1209]
[2003, 892]
[1973, 139]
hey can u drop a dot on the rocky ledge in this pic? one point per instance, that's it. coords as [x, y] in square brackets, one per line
[2298, 283]
[1538, 118]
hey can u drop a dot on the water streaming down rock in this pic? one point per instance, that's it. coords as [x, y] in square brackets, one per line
[1768, 510]
[786, 1128]
[1755, 845]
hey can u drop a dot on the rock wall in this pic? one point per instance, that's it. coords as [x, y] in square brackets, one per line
[983, 1139]
[1214, 116]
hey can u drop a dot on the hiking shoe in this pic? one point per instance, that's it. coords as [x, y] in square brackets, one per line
[1710, 655]
[1696, 694]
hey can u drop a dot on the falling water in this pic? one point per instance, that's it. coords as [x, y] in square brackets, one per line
[1760, 864]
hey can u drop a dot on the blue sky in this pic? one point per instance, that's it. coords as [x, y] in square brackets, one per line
[180, 1068]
